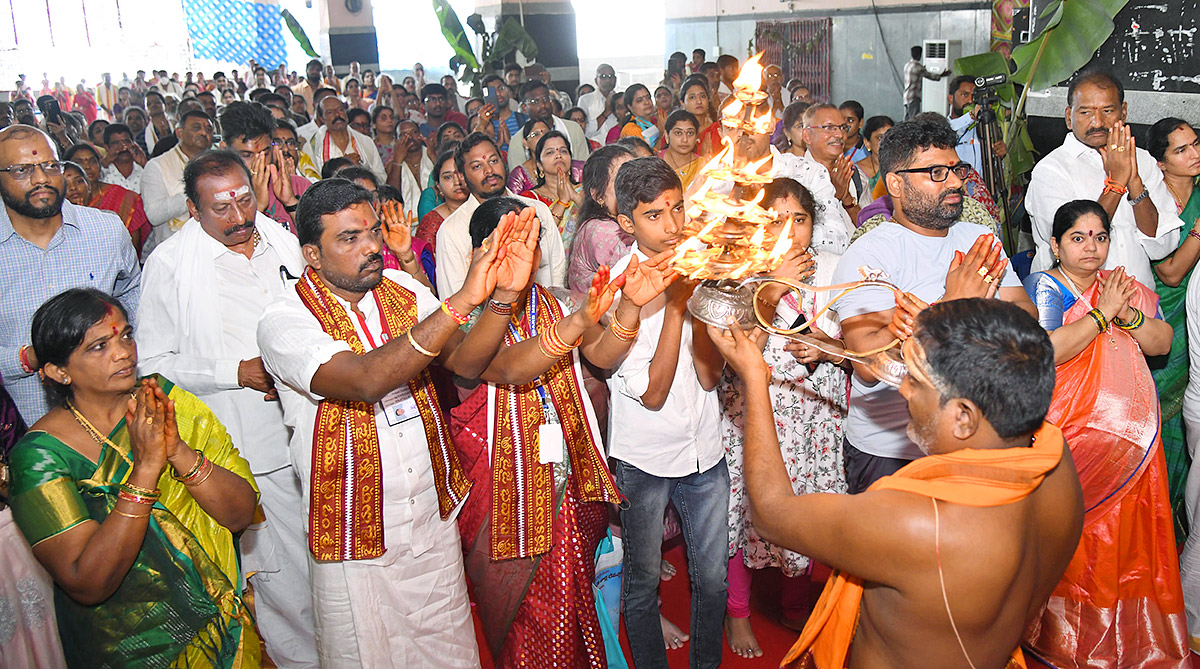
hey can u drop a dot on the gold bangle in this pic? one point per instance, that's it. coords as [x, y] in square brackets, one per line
[130, 515]
[621, 332]
[208, 470]
[191, 474]
[417, 347]
[138, 490]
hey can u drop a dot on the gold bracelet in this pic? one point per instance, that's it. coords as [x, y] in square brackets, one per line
[207, 472]
[417, 347]
[130, 515]
[138, 490]
[621, 332]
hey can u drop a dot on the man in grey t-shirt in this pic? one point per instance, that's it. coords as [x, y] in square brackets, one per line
[925, 251]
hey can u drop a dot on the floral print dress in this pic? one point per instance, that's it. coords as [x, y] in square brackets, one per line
[810, 411]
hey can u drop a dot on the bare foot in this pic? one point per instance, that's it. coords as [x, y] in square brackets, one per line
[741, 637]
[666, 570]
[673, 637]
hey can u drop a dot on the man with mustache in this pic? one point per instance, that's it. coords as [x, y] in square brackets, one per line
[206, 288]
[478, 160]
[410, 164]
[1099, 160]
[124, 160]
[921, 253]
[162, 184]
[348, 345]
[825, 131]
[335, 138]
[48, 245]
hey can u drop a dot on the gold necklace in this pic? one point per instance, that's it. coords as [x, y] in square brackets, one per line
[95, 434]
[1180, 204]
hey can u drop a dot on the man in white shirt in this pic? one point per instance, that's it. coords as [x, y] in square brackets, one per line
[336, 138]
[306, 131]
[1099, 160]
[124, 160]
[535, 96]
[600, 118]
[917, 254]
[106, 94]
[348, 346]
[478, 159]
[211, 283]
[729, 71]
[162, 183]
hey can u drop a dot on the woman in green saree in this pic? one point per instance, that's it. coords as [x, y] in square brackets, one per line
[144, 558]
[1172, 142]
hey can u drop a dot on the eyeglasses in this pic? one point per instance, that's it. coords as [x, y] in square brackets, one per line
[830, 129]
[606, 76]
[939, 173]
[289, 143]
[545, 100]
[24, 171]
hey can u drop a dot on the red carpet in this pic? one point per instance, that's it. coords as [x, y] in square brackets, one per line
[774, 638]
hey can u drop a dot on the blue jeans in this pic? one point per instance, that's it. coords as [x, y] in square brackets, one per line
[702, 500]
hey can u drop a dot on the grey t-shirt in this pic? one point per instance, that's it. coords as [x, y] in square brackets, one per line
[878, 417]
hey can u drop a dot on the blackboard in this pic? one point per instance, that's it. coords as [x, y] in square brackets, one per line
[1153, 46]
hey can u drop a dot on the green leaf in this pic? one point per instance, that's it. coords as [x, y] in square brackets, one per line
[512, 37]
[298, 32]
[452, 30]
[1076, 29]
[986, 64]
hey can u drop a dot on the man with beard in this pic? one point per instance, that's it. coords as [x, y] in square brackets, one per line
[348, 346]
[478, 160]
[23, 111]
[162, 184]
[206, 288]
[312, 81]
[287, 138]
[600, 118]
[124, 160]
[410, 166]
[1099, 160]
[438, 110]
[506, 122]
[538, 105]
[335, 138]
[48, 245]
[920, 253]
[962, 93]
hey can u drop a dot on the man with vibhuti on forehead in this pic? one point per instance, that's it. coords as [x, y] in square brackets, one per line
[206, 288]
[348, 345]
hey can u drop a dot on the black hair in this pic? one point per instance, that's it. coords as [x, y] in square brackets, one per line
[268, 98]
[355, 112]
[572, 110]
[781, 188]
[156, 94]
[596, 173]
[442, 157]
[333, 165]
[211, 163]
[389, 193]
[490, 78]
[680, 116]
[701, 52]
[192, 114]
[1158, 136]
[698, 80]
[1070, 212]
[995, 355]
[854, 106]
[357, 173]
[70, 153]
[643, 180]
[246, 121]
[901, 144]
[635, 143]
[1097, 76]
[916, 52]
[283, 124]
[874, 123]
[58, 329]
[321, 90]
[314, 61]
[71, 165]
[97, 123]
[530, 86]
[445, 127]
[379, 109]
[116, 129]
[725, 60]
[537, 154]
[328, 196]
[631, 93]
[958, 81]
[487, 216]
[469, 142]
[528, 127]
[434, 89]
[708, 66]
[794, 112]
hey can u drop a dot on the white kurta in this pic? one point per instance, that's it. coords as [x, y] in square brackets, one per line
[408, 607]
[204, 305]
[163, 197]
[359, 143]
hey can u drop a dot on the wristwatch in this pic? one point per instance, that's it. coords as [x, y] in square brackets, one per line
[1135, 201]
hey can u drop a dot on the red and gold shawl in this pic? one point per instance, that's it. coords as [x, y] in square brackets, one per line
[346, 498]
[127, 205]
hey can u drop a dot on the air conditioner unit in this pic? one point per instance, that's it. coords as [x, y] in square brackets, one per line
[938, 57]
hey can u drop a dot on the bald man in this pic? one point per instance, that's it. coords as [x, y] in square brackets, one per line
[600, 118]
[48, 245]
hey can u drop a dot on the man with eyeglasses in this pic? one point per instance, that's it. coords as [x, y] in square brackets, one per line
[921, 252]
[285, 136]
[505, 113]
[538, 104]
[409, 166]
[1099, 160]
[206, 288]
[825, 137]
[162, 184]
[249, 129]
[600, 119]
[336, 139]
[48, 245]
[436, 99]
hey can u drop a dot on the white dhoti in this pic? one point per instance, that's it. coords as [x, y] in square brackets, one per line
[401, 610]
[28, 628]
[1189, 559]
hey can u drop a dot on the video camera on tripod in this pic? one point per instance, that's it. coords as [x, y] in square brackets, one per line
[985, 90]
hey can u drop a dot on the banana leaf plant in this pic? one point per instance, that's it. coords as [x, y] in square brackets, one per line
[494, 47]
[298, 33]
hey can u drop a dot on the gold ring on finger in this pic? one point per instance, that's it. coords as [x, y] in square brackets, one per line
[989, 278]
[982, 271]
[149, 420]
[1120, 148]
[1113, 146]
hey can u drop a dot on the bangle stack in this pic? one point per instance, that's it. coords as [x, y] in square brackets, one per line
[621, 332]
[453, 313]
[552, 345]
[1135, 323]
[137, 495]
[500, 308]
[1101, 321]
[1194, 234]
[199, 473]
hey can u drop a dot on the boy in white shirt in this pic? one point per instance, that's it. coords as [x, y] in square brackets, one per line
[664, 434]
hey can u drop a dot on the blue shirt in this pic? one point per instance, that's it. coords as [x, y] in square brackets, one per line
[91, 249]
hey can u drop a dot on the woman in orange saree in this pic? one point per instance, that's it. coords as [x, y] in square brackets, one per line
[1120, 603]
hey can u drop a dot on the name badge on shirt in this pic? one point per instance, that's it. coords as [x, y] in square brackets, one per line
[399, 406]
[550, 443]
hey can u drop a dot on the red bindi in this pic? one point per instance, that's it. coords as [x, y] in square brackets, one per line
[35, 153]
